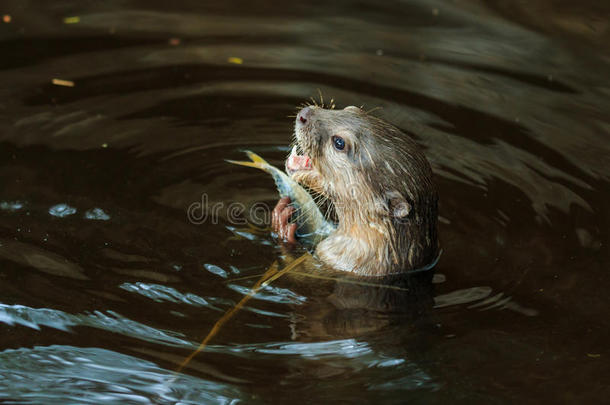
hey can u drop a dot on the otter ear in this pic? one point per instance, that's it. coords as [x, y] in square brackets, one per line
[352, 108]
[398, 206]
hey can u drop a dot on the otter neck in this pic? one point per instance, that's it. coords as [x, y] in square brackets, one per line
[369, 239]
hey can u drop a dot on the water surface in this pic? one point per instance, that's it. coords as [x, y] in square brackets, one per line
[107, 286]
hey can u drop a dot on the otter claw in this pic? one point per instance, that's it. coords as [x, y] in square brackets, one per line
[280, 221]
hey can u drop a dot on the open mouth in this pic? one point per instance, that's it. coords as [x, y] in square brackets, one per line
[297, 162]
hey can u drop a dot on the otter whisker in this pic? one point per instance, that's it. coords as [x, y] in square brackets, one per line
[320, 197]
[319, 201]
[305, 212]
[302, 214]
[327, 213]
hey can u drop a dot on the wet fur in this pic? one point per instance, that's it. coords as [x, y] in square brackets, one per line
[381, 188]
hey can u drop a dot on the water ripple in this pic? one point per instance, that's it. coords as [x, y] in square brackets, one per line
[345, 348]
[385, 372]
[272, 294]
[97, 214]
[62, 374]
[10, 206]
[480, 298]
[110, 321]
[161, 293]
[219, 271]
[62, 210]
[463, 296]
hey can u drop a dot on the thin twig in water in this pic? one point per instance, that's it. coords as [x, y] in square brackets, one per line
[270, 275]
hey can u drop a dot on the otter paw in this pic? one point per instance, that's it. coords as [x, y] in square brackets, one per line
[280, 218]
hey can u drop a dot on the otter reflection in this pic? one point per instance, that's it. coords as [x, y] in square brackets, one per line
[343, 305]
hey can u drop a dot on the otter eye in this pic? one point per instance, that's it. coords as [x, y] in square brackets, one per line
[338, 142]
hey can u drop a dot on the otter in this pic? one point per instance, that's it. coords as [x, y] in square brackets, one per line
[379, 183]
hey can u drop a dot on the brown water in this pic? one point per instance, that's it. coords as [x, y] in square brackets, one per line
[106, 286]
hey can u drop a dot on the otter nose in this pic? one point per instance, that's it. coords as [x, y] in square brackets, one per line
[304, 115]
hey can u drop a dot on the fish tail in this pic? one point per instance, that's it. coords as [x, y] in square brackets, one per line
[256, 161]
[255, 158]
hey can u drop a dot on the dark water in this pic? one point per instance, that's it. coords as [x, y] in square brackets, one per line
[106, 286]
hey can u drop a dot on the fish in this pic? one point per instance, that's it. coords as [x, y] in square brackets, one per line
[312, 226]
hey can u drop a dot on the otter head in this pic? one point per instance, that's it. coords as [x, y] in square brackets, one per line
[378, 180]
